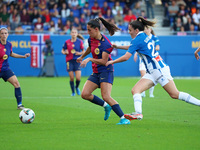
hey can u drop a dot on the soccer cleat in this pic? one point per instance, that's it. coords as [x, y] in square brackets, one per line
[151, 95]
[78, 91]
[124, 122]
[20, 107]
[133, 116]
[107, 110]
[73, 94]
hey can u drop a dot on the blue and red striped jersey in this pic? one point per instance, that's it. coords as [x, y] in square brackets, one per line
[97, 48]
[72, 48]
[5, 51]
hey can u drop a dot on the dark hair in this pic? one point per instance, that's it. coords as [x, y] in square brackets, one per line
[94, 23]
[141, 23]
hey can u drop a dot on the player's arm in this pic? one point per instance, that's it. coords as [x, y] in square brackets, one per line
[88, 50]
[123, 58]
[64, 52]
[157, 47]
[196, 53]
[120, 47]
[19, 56]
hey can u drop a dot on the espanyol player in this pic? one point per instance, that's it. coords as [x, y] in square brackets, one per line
[102, 76]
[157, 70]
[5, 72]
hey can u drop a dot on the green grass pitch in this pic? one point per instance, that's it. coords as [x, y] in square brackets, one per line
[63, 122]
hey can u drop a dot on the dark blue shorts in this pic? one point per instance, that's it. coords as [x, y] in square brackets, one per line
[102, 77]
[5, 75]
[72, 65]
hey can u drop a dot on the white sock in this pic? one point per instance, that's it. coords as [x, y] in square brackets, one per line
[104, 105]
[151, 90]
[137, 103]
[188, 98]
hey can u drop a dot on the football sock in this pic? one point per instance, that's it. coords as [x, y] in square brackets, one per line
[151, 90]
[18, 95]
[188, 98]
[137, 103]
[72, 86]
[77, 83]
[116, 108]
[98, 101]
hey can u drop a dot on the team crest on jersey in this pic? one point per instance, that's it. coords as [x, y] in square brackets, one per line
[96, 51]
[4, 50]
[5, 57]
[73, 51]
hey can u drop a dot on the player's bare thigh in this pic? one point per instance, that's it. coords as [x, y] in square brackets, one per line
[171, 89]
[13, 80]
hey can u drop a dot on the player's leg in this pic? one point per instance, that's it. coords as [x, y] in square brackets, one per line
[78, 77]
[92, 84]
[142, 85]
[106, 95]
[151, 91]
[142, 73]
[18, 94]
[71, 82]
[175, 94]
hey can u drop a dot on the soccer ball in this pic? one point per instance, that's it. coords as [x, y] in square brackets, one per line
[27, 115]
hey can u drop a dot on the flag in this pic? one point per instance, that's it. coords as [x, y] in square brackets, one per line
[37, 44]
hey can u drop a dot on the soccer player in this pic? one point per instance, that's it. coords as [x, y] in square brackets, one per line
[196, 53]
[102, 76]
[5, 72]
[149, 31]
[73, 48]
[157, 70]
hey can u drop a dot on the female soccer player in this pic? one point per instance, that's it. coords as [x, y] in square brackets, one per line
[149, 31]
[5, 72]
[102, 76]
[196, 53]
[157, 70]
[73, 48]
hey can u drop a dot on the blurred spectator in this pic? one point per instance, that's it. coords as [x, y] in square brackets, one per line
[82, 3]
[34, 16]
[198, 4]
[143, 14]
[196, 18]
[30, 8]
[19, 30]
[47, 16]
[95, 9]
[188, 24]
[180, 2]
[14, 19]
[173, 9]
[178, 24]
[38, 26]
[85, 8]
[68, 27]
[4, 16]
[129, 17]
[73, 3]
[83, 22]
[108, 15]
[88, 16]
[119, 18]
[117, 7]
[122, 27]
[76, 23]
[52, 27]
[11, 9]
[25, 18]
[50, 4]
[55, 11]
[149, 7]
[59, 26]
[182, 31]
[192, 30]
[64, 12]
[137, 9]
[71, 16]
[105, 8]
[125, 9]
[42, 7]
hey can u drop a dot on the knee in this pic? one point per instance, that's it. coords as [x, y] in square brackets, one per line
[105, 97]
[174, 95]
[16, 84]
[85, 95]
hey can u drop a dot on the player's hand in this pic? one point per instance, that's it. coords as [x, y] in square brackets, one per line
[79, 59]
[26, 55]
[84, 62]
[114, 45]
[196, 55]
[109, 62]
[66, 52]
[78, 53]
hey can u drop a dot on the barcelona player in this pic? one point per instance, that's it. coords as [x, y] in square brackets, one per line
[102, 76]
[157, 70]
[73, 48]
[5, 72]
[149, 31]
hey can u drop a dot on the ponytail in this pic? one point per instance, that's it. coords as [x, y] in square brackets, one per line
[80, 36]
[94, 23]
[141, 23]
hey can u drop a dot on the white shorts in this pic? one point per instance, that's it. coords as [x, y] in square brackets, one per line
[141, 65]
[165, 72]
